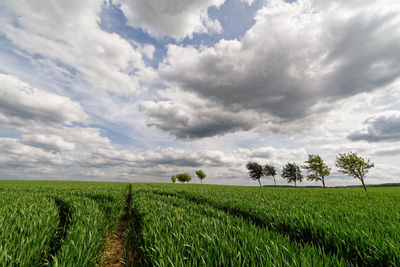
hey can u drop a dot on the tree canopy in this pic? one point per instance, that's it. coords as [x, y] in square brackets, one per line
[173, 179]
[201, 175]
[183, 177]
[354, 165]
[316, 169]
[255, 171]
[269, 170]
[292, 173]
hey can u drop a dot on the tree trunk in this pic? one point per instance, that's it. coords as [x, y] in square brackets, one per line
[274, 180]
[259, 182]
[362, 181]
[201, 181]
[295, 183]
[323, 182]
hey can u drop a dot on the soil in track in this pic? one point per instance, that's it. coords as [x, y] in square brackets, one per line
[116, 253]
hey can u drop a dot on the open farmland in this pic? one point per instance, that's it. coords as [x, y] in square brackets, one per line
[69, 224]
[56, 223]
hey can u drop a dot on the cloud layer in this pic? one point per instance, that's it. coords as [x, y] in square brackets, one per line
[50, 143]
[141, 90]
[67, 36]
[21, 104]
[297, 60]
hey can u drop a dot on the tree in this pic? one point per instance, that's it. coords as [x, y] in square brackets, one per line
[255, 171]
[316, 169]
[201, 175]
[354, 165]
[173, 179]
[269, 170]
[292, 172]
[183, 177]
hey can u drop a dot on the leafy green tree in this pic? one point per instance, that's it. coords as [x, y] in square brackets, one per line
[269, 170]
[255, 171]
[173, 179]
[183, 177]
[354, 165]
[317, 170]
[292, 173]
[201, 175]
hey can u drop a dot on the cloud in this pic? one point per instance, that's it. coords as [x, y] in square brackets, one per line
[379, 128]
[22, 104]
[347, 147]
[47, 124]
[177, 19]
[49, 142]
[14, 154]
[52, 143]
[388, 152]
[297, 61]
[191, 117]
[272, 153]
[68, 35]
[148, 51]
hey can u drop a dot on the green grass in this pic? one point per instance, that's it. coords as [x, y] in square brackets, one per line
[56, 223]
[177, 233]
[349, 224]
[27, 224]
[59, 223]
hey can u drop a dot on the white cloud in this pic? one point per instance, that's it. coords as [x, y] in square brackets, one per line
[21, 104]
[68, 32]
[148, 51]
[177, 19]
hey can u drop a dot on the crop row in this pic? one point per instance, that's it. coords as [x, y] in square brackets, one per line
[59, 223]
[56, 224]
[176, 232]
[362, 229]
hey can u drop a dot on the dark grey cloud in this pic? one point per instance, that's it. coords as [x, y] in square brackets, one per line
[294, 58]
[212, 125]
[198, 120]
[383, 127]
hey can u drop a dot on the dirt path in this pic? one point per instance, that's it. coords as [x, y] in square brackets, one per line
[115, 252]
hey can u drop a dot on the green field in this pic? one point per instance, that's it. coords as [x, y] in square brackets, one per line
[69, 223]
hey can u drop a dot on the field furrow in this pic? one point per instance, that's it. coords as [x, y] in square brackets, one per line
[64, 215]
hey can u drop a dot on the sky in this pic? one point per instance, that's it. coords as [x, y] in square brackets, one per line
[141, 90]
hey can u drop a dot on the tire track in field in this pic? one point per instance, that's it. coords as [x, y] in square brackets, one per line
[64, 214]
[352, 251]
[118, 251]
